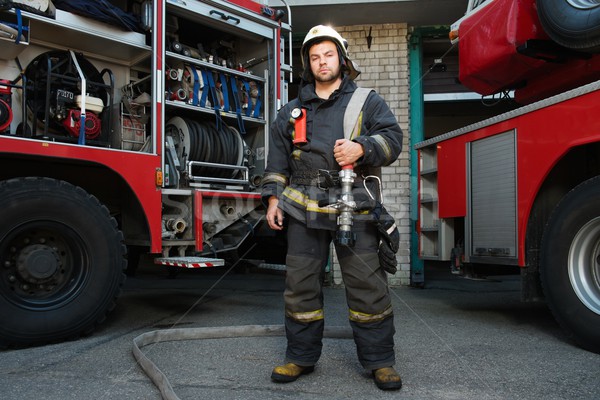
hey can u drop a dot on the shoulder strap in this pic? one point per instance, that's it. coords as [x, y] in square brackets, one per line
[352, 120]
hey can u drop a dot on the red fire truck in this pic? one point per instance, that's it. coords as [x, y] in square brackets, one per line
[138, 127]
[521, 190]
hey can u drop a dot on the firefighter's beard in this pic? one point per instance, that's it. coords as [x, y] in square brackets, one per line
[331, 76]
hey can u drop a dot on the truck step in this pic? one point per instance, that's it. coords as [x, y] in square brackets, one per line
[189, 262]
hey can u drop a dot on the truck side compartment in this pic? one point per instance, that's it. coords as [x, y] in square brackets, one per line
[138, 128]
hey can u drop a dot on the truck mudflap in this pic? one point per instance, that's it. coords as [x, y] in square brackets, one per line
[190, 262]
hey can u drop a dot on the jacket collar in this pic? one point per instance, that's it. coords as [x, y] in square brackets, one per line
[307, 92]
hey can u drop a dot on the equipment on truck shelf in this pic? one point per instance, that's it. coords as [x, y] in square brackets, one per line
[66, 95]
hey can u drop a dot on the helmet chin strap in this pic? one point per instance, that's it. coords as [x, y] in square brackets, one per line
[341, 57]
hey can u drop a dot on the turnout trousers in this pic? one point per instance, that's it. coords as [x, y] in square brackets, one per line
[367, 295]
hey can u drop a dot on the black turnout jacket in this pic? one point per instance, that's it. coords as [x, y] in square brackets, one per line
[379, 134]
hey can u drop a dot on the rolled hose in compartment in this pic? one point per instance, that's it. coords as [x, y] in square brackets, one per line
[205, 141]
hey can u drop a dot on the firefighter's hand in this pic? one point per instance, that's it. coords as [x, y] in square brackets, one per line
[346, 152]
[274, 214]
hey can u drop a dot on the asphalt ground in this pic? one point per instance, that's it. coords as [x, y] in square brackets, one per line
[455, 339]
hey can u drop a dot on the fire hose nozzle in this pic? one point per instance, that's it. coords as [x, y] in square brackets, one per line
[344, 235]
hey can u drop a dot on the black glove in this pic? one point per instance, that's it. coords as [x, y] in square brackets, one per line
[389, 240]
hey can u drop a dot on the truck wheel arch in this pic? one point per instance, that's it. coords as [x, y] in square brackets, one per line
[110, 188]
[572, 169]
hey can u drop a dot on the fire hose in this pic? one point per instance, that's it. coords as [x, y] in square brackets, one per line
[345, 236]
[170, 335]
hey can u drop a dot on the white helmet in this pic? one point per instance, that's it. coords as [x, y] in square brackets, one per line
[319, 33]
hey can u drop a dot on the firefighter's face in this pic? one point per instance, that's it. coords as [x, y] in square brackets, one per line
[324, 61]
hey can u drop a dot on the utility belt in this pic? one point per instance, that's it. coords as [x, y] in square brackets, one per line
[321, 178]
[366, 194]
[324, 179]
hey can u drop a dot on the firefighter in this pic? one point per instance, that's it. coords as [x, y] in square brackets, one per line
[300, 183]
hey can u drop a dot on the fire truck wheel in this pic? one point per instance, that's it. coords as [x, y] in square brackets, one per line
[572, 23]
[570, 264]
[61, 261]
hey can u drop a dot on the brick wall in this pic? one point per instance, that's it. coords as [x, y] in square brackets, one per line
[385, 68]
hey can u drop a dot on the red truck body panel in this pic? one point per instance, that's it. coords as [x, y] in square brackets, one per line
[543, 137]
[488, 45]
[490, 60]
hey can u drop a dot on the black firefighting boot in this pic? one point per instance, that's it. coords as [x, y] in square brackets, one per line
[289, 372]
[387, 379]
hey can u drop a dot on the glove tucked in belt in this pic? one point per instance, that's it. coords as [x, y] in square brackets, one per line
[389, 240]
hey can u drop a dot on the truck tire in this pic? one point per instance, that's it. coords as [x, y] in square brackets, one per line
[574, 24]
[570, 264]
[62, 260]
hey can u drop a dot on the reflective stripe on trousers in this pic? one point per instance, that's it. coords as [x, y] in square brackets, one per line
[367, 295]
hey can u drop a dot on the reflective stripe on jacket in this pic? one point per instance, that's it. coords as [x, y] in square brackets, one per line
[380, 136]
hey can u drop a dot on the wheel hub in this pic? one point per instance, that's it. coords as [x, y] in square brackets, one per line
[584, 4]
[584, 269]
[38, 263]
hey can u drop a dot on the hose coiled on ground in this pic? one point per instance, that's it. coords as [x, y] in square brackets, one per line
[170, 335]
